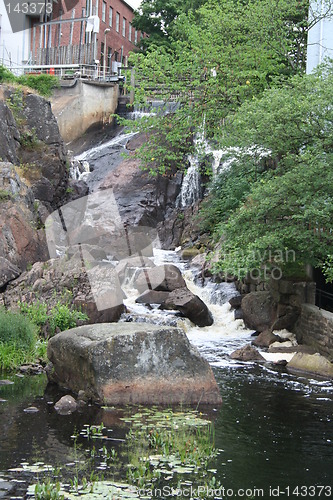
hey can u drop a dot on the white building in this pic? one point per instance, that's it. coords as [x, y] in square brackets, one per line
[320, 37]
[14, 47]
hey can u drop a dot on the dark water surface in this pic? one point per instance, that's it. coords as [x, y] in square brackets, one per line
[274, 430]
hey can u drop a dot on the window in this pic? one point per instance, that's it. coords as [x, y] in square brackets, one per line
[103, 11]
[136, 36]
[124, 26]
[110, 16]
[130, 32]
[102, 54]
[117, 21]
[109, 59]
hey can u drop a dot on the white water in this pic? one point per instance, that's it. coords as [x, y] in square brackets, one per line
[119, 140]
[215, 342]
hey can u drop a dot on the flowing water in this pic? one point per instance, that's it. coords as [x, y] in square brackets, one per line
[274, 429]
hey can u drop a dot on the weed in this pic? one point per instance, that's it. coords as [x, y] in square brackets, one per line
[4, 195]
[48, 491]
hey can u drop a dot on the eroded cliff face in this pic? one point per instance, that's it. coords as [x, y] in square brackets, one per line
[33, 178]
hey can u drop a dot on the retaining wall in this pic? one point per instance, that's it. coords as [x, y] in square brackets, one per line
[315, 328]
[82, 104]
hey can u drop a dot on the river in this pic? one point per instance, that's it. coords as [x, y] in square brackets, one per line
[274, 430]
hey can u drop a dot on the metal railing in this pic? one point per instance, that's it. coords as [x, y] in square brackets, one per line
[324, 299]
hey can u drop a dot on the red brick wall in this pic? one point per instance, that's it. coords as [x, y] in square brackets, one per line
[114, 39]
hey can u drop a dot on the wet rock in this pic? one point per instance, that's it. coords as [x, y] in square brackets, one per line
[31, 409]
[312, 363]
[66, 405]
[190, 305]
[265, 339]
[31, 369]
[236, 301]
[164, 278]
[247, 353]
[238, 313]
[132, 363]
[259, 310]
[6, 382]
[152, 297]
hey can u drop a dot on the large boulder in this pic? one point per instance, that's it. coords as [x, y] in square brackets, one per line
[190, 305]
[312, 363]
[164, 278]
[131, 363]
[259, 311]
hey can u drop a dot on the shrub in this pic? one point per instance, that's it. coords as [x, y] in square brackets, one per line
[16, 329]
[44, 84]
[63, 317]
[17, 340]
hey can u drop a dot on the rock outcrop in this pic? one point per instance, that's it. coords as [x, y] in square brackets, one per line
[33, 178]
[247, 353]
[131, 363]
[62, 280]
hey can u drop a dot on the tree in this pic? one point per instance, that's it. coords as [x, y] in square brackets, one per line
[217, 57]
[285, 202]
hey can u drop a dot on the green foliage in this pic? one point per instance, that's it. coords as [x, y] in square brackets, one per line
[17, 329]
[43, 84]
[48, 491]
[328, 269]
[63, 317]
[17, 340]
[4, 195]
[212, 60]
[6, 75]
[283, 202]
[36, 312]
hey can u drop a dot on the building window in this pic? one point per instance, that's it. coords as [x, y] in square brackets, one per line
[117, 21]
[136, 36]
[109, 59]
[102, 54]
[130, 32]
[103, 12]
[110, 16]
[124, 26]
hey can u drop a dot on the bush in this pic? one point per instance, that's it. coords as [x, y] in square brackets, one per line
[18, 330]
[17, 340]
[62, 317]
[44, 84]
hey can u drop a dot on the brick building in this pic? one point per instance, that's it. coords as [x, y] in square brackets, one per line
[92, 32]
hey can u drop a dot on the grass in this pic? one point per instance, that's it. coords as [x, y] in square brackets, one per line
[18, 340]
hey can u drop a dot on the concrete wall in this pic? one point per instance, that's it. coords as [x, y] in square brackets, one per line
[315, 328]
[82, 105]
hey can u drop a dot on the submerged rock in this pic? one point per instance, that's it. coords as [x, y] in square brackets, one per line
[131, 363]
[66, 405]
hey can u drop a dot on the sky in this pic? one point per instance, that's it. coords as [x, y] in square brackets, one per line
[134, 3]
